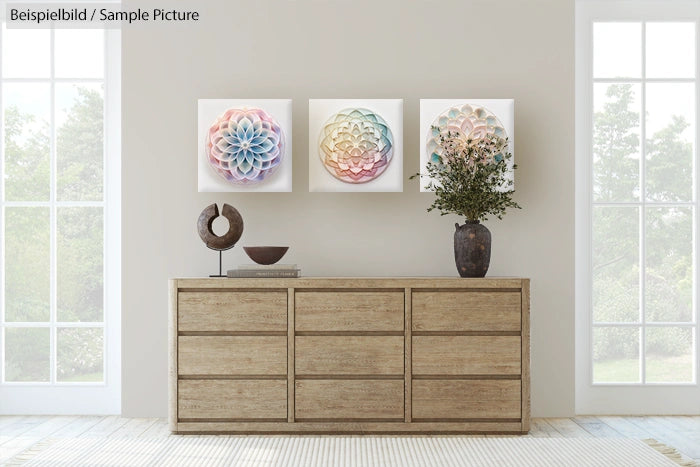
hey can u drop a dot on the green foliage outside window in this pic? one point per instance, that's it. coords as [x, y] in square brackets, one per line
[79, 241]
[668, 261]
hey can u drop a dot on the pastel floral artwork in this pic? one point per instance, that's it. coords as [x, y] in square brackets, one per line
[245, 145]
[466, 124]
[356, 145]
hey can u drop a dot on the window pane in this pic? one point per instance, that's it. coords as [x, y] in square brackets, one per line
[27, 354]
[79, 264]
[79, 142]
[26, 53]
[27, 246]
[617, 50]
[670, 136]
[89, 63]
[27, 135]
[670, 50]
[616, 355]
[669, 265]
[616, 147]
[669, 355]
[80, 354]
[615, 264]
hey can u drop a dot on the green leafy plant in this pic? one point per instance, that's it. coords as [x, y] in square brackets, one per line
[470, 178]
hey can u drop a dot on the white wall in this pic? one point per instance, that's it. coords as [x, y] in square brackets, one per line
[346, 49]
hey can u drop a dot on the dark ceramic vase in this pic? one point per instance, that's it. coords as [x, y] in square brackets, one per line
[472, 249]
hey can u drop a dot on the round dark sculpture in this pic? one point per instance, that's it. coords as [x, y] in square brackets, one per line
[472, 249]
[229, 239]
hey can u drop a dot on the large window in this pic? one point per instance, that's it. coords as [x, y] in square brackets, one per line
[59, 218]
[637, 94]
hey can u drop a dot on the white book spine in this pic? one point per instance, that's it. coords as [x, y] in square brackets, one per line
[268, 267]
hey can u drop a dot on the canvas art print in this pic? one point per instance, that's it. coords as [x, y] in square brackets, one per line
[355, 145]
[245, 145]
[470, 119]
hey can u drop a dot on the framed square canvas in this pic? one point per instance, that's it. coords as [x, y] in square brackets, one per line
[244, 145]
[356, 145]
[470, 116]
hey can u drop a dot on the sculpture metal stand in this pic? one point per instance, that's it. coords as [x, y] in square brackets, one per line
[223, 242]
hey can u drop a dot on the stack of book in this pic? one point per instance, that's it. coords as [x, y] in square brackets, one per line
[260, 270]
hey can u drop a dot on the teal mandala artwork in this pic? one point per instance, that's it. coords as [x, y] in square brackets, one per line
[245, 146]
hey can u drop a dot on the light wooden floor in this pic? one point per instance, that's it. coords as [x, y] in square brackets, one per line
[17, 433]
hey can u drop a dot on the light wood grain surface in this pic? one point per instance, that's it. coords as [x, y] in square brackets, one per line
[466, 311]
[382, 355]
[232, 355]
[466, 355]
[466, 399]
[349, 355]
[349, 399]
[172, 355]
[291, 318]
[214, 399]
[349, 311]
[408, 306]
[525, 353]
[232, 311]
[352, 427]
[513, 283]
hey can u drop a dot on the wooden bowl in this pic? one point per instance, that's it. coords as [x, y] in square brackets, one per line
[265, 254]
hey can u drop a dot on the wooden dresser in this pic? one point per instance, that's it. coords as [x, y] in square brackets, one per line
[350, 355]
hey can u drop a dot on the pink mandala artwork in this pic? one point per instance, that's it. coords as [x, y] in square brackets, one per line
[468, 122]
[245, 145]
[356, 145]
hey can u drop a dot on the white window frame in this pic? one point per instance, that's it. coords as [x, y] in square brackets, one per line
[79, 398]
[623, 398]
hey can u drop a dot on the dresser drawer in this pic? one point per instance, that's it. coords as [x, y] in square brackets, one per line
[232, 311]
[349, 311]
[349, 355]
[349, 399]
[465, 311]
[228, 399]
[466, 399]
[232, 355]
[466, 355]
